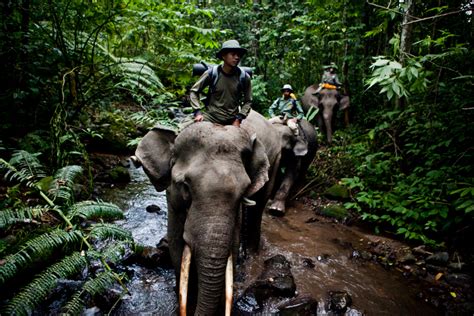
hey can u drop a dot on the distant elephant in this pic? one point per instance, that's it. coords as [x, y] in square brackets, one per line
[326, 102]
[206, 170]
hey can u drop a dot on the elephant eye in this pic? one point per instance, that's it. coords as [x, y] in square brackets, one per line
[183, 188]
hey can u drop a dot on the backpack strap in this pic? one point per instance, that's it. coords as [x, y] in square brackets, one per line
[213, 73]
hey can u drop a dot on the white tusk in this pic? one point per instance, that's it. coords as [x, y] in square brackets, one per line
[183, 280]
[229, 283]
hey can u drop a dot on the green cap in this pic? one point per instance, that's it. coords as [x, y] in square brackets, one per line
[331, 65]
[230, 45]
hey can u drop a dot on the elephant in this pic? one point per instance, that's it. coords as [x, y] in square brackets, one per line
[207, 169]
[327, 103]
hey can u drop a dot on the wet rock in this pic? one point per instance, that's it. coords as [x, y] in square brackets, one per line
[152, 257]
[456, 266]
[439, 258]
[154, 209]
[406, 257]
[92, 311]
[353, 312]
[459, 280]
[339, 302]
[247, 305]
[299, 306]
[119, 174]
[435, 269]
[308, 263]
[337, 192]
[107, 300]
[276, 280]
[324, 258]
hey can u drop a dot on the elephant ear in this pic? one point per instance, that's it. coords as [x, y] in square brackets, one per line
[258, 166]
[344, 103]
[154, 154]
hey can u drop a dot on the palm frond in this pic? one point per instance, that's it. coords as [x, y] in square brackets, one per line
[101, 283]
[39, 247]
[94, 210]
[23, 167]
[62, 187]
[9, 217]
[38, 290]
[106, 230]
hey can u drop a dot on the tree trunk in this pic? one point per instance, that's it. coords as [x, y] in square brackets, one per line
[405, 40]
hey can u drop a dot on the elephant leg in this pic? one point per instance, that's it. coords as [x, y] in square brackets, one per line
[252, 216]
[252, 223]
[278, 205]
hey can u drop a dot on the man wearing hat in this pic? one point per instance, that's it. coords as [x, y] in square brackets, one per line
[229, 100]
[329, 77]
[286, 110]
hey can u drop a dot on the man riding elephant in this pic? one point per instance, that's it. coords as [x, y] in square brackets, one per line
[329, 80]
[286, 110]
[230, 96]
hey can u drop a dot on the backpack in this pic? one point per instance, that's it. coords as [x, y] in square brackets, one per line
[213, 72]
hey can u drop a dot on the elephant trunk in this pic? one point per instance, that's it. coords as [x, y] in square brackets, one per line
[184, 279]
[327, 116]
[211, 281]
[212, 240]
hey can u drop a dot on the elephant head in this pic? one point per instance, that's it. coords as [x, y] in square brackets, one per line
[206, 171]
[326, 101]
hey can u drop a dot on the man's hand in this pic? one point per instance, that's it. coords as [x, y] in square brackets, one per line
[294, 119]
[198, 118]
[236, 123]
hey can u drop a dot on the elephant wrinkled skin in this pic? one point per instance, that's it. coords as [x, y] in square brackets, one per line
[326, 102]
[206, 170]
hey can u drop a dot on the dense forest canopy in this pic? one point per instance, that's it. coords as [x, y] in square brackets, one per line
[70, 68]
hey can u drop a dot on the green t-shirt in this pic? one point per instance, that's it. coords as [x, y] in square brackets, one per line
[227, 101]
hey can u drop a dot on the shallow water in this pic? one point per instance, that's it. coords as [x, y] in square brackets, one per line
[374, 290]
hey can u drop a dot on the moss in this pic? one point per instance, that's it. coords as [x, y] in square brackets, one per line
[119, 174]
[337, 192]
[335, 211]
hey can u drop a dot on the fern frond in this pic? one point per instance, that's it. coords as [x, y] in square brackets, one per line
[62, 186]
[94, 210]
[9, 217]
[39, 247]
[106, 230]
[101, 283]
[23, 167]
[38, 290]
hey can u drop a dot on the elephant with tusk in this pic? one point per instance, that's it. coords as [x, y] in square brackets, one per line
[207, 170]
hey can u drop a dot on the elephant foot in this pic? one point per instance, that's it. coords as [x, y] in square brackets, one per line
[277, 208]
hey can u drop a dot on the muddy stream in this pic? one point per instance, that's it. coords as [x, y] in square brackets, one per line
[317, 248]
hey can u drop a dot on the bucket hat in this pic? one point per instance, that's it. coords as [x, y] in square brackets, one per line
[287, 87]
[231, 45]
[331, 65]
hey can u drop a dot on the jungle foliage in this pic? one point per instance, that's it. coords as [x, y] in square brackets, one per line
[56, 238]
[78, 73]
